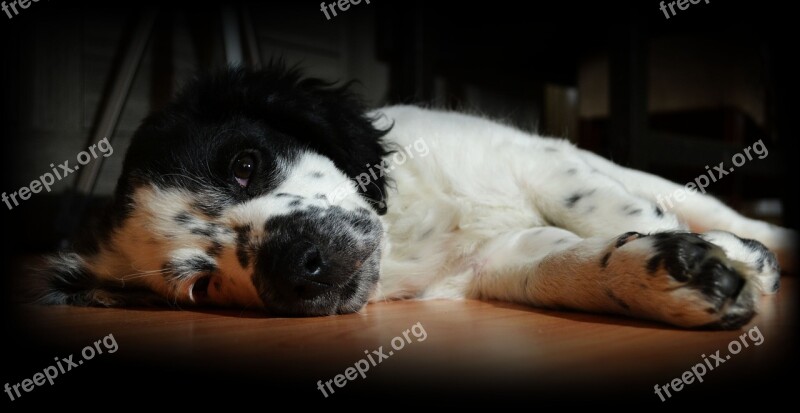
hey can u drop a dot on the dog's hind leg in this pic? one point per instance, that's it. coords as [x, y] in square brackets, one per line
[700, 211]
[591, 203]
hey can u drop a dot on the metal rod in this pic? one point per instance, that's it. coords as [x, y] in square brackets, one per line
[231, 37]
[109, 116]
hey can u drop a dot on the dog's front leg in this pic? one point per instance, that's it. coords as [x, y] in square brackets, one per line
[677, 278]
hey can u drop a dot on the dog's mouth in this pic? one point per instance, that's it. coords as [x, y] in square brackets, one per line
[318, 261]
[198, 292]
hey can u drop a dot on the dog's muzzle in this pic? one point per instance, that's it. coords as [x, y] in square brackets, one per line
[319, 261]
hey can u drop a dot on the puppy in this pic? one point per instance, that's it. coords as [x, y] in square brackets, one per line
[268, 190]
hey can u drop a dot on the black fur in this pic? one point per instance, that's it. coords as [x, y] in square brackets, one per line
[64, 279]
[192, 143]
[272, 113]
[604, 260]
[573, 199]
[620, 302]
[627, 237]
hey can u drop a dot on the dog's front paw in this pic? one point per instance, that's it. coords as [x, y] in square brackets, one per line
[681, 279]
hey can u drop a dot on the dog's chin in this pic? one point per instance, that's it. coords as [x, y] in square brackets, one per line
[348, 297]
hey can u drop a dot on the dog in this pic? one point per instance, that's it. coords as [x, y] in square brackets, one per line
[270, 190]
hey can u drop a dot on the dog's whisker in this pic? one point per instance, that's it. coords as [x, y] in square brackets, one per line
[191, 178]
[143, 274]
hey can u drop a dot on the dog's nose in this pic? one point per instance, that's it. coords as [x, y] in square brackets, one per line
[305, 269]
[310, 262]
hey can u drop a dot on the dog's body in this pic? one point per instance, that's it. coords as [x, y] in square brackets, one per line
[265, 191]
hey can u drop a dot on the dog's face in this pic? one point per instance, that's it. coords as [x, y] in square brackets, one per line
[232, 196]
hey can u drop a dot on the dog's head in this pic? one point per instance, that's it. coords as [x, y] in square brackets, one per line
[240, 193]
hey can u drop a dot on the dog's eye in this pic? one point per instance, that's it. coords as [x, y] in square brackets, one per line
[243, 169]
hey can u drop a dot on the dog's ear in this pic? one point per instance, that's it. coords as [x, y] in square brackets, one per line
[65, 279]
[68, 278]
[351, 139]
[325, 118]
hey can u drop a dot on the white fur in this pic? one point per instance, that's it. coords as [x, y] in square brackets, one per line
[476, 217]
[151, 236]
[476, 209]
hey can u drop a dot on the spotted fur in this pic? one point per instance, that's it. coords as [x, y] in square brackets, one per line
[330, 216]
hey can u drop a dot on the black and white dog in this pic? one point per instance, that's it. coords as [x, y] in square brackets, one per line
[268, 190]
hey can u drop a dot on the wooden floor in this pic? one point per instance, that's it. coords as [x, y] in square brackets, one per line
[463, 340]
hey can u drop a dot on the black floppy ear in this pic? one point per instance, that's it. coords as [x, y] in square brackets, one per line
[334, 122]
[357, 144]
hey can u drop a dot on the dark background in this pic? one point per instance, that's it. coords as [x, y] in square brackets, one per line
[664, 95]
